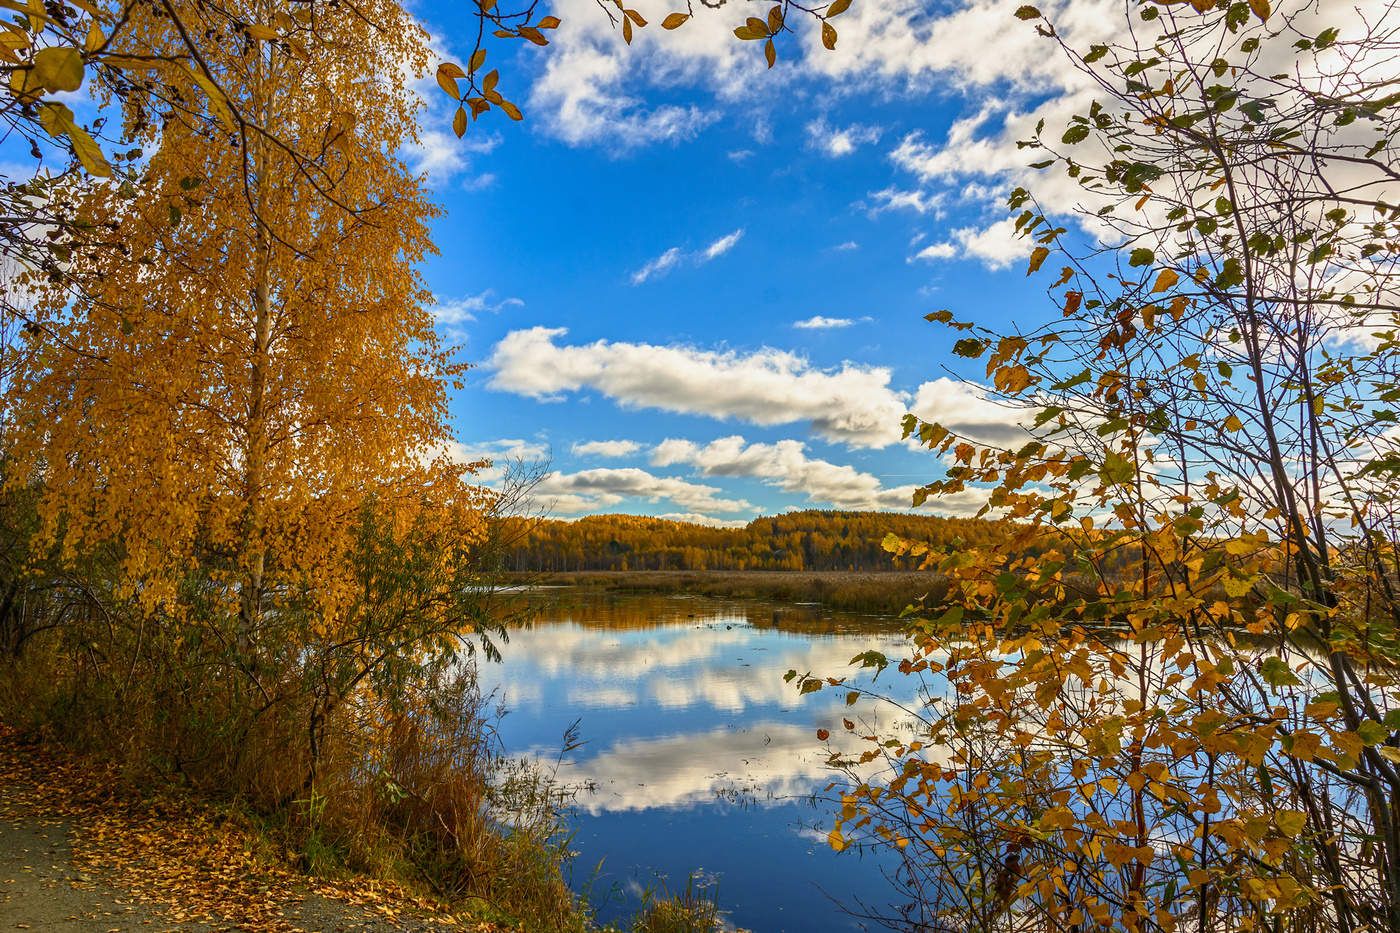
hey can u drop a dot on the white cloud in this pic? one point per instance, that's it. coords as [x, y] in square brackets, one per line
[723, 245]
[840, 141]
[435, 152]
[457, 311]
[786, 466]
[997, 245]
[674, 256]
[937, 251]
[658, 267]
[819, 322]
[505, 448]
[590, 90]
[581, 93]
[593, 87]
[501, 453]
[846, 246]
[962, 154]
[894, 199]
[852, 404]
[971, 412]
[589, 490]
[617, 448]
[972, 46]
[695, 518]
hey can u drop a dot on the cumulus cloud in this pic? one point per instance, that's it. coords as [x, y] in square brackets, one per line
[589, 92]
[589, 490]
[592, 90]
[839, 141]
[786, 466]
[971, 412]
[505, 448]
[696, 518]
[996, 245]
[850, 404]
[618, 448]
[937, 251]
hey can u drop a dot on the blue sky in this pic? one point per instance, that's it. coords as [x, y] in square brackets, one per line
[697, 286]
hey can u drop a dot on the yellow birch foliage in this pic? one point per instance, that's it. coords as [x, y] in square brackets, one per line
[262, 360]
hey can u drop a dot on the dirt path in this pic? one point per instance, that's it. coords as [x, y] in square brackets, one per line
[77, 853]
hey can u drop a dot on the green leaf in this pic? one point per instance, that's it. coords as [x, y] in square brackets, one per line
[1372, 732]
[1290, 822]
[1077, 133]
[953, 616]
[969, 347]
[1277, 673]
[1142, 256]
[1027, 12]
[1117, 469]
[871, 658]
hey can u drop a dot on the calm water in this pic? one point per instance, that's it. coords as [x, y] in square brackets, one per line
[697, 754]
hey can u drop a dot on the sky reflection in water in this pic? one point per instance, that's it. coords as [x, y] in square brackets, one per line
[698, 754]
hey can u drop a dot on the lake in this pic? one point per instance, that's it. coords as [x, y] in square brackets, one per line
[697, 755]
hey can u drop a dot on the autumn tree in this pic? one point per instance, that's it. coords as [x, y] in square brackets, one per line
[1188, 714]
[250, 393]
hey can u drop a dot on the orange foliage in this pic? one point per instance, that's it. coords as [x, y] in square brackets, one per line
[810, 540]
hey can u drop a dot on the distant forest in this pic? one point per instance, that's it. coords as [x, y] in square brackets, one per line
[809, 540]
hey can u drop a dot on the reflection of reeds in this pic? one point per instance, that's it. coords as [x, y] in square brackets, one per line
[692, 910]
[855, 591]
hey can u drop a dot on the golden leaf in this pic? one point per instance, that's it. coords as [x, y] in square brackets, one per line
[1165, 280]
[57, 68]
[1038, 257]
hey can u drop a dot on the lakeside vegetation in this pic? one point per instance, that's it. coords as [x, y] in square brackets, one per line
[236, 558]
[825, 540]
[882, 593]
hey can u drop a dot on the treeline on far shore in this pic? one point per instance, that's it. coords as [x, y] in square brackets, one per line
[851, 591]
[795, 541]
